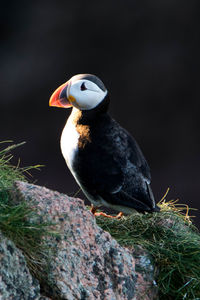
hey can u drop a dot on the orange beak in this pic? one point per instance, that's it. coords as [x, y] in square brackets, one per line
[59, 97]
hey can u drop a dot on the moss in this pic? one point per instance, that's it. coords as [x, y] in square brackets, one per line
[172, 241]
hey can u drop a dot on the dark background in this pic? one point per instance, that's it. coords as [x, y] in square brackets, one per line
[146, 53]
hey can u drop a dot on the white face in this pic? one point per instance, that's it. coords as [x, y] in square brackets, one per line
[84, 94]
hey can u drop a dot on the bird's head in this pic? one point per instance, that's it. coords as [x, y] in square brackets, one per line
[83, 91]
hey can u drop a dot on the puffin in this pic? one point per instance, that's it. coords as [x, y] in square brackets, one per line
[103, 157]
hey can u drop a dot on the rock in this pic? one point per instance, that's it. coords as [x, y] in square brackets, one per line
[16, 281]
[146, 287]
[86, 262]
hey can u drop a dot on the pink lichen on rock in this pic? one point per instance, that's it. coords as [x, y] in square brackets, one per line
[16, 282]
[86, 262]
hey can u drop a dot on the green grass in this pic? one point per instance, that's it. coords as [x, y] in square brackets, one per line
[15, 218]
[172, 241]
[9, 173]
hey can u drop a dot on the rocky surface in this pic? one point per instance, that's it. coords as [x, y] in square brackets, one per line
[16, 281]
[86, 262]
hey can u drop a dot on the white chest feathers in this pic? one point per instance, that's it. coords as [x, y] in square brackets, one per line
[69, 143]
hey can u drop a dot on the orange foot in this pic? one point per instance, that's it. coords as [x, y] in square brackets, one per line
[97, 214]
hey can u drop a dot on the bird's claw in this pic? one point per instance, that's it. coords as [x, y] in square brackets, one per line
[97, 214]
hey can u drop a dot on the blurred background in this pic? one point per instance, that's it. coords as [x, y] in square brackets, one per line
[146, 53]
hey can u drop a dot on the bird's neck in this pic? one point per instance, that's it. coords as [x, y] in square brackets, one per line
[87, 117]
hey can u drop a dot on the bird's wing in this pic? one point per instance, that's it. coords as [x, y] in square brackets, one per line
[137, 158]
[128, 170]
[115, 166]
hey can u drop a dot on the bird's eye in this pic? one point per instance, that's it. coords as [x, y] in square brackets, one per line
[83, 87]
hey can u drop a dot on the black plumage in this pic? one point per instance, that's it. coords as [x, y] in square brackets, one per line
[109, 163]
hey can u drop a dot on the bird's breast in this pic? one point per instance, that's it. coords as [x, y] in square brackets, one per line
[69, 143]
[74, 137]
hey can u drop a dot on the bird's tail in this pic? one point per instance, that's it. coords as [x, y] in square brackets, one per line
[156, 209]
